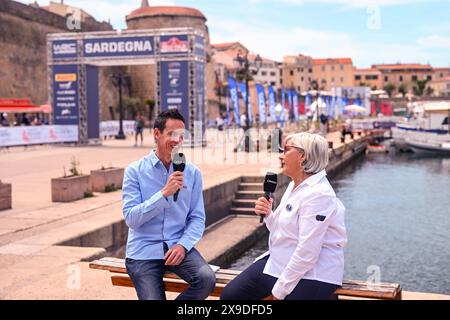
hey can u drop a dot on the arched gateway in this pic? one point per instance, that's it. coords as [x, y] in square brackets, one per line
[74, 59]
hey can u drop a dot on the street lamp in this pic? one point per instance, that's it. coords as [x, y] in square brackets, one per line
[118, 80]
[243, 64]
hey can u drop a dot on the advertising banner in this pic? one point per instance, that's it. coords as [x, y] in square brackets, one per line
[175, 87]
[199, 46]
[295, 104]
[174, 44]
[290, 104]
[29, 135]
[118, 47]
[234, 99]
[200, 92]
[261, 103]
[93, 102]
[243, 91]
[65, 95]
[272, 104]
[111, 128]
[283, 106]
[64, 49]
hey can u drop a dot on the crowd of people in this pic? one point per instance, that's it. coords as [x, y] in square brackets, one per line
[23, 119]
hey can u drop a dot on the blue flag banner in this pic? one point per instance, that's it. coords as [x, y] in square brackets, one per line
[234, 99]
[333, 107]
[295, 104]
[243, 91]
[228, 107]
[283, 101]
[307, 103]
[290, 103]
[327, 105]
[272, 104]
[343, 104]
[261, 103]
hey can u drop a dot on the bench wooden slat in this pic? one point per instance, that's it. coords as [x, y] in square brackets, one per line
[173, 283]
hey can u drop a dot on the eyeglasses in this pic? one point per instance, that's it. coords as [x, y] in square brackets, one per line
[287, 148]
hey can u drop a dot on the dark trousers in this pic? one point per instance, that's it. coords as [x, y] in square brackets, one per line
[253, 284]
[147, 276]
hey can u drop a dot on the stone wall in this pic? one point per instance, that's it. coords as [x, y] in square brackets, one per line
[23, 60]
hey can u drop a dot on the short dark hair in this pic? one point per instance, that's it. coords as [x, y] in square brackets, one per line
[161, 120]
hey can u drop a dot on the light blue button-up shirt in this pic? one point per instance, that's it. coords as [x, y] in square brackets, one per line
[153, 219]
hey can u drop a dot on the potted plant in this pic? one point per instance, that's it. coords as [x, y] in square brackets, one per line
[71, 187]
[5, 196]
[107, 179]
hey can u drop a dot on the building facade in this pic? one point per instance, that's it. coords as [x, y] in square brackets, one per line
[404, 74]
[440, 73]
[269, 74]
[440, 87]
[369, 78]
[297, 72]
[333, 72]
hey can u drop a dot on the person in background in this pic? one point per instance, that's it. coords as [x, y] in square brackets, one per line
[139, 128]
[307, 236]
[4, 120]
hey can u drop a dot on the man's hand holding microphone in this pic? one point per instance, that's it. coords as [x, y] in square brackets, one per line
[174, 184]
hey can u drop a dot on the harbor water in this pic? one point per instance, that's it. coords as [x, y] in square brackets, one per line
[397, 219]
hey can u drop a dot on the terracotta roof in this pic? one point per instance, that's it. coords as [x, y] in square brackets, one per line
[399, 66]
[332, 60]
[367, 70]
[442, 69]
[165, 11]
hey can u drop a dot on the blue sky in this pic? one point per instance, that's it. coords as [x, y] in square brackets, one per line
[368, 31]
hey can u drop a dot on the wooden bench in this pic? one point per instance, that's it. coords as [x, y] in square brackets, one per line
[350, 288]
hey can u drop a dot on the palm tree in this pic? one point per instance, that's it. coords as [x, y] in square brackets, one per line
[403, 89]
[389, 88]
[419, 87]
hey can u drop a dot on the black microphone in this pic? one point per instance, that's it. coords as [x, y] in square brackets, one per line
[179, 163]
[270, 184]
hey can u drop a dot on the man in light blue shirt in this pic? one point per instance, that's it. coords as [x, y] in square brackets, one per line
[163, 232]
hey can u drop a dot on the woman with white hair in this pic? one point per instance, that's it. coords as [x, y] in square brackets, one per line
[305, 259]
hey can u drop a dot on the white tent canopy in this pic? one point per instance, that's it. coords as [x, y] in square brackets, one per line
[355, 108]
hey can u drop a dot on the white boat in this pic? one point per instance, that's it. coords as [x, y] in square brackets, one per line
[429, 147]
[429, 133]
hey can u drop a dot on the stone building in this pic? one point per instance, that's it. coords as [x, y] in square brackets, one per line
[297, 72]
[143, 78]
[333, 72]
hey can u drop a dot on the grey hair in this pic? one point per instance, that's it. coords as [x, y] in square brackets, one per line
[315, 148]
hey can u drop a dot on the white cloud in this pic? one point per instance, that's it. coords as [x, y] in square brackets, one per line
[274, 42]
[345, 3]
[434, 41]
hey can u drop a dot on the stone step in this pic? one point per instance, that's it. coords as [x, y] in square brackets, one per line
[253, 179]
[243, 211]
[247, 195]
[244, 203]
[250, 186]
